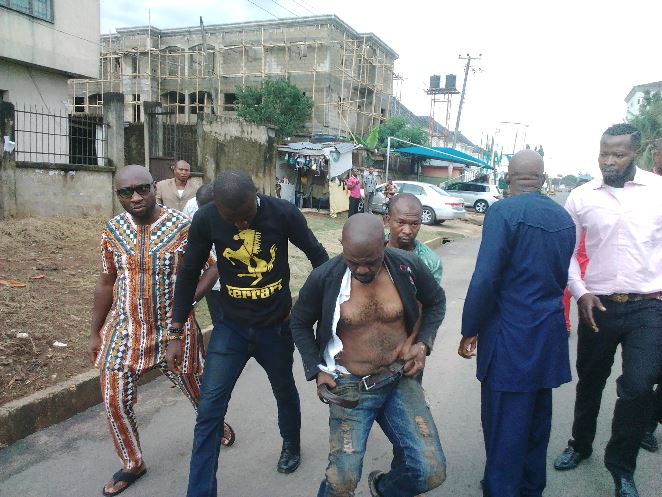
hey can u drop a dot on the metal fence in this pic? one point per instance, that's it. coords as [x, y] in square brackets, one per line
[60, 138]
[171, 139]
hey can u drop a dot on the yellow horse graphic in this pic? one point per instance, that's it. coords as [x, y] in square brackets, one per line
[247, 254]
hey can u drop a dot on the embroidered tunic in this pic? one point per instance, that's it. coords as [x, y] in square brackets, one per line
[145, 260]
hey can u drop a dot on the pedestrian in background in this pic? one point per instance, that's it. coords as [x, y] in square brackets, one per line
[177, 191]
[353, 187]
[369, 187]
[203, 196]
[513, 316]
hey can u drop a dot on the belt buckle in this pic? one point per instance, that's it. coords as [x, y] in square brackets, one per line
[620, 298]
[365, 385]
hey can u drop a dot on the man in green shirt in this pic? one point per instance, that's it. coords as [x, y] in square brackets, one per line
[404, 222]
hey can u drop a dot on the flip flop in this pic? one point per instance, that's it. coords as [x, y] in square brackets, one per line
[123, 476]
[229, 440]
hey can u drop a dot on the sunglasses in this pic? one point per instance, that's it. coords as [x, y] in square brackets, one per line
[128, 192]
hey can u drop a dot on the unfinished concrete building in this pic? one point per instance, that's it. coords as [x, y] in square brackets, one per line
[348, 75]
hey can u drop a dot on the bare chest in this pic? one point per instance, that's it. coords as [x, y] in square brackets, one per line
[372, 304]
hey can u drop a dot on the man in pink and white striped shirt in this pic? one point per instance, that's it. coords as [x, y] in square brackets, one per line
[619, 301]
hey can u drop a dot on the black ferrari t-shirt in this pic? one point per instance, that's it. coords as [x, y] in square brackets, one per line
[253, 267]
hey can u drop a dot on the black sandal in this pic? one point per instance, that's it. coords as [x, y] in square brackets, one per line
[126, 477]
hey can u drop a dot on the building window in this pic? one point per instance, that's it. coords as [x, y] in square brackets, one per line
[229, 100]
[200, 102]
[42, 9]
[135, 105]
[79, 105]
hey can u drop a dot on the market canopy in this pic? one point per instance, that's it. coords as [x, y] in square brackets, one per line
[444, 153]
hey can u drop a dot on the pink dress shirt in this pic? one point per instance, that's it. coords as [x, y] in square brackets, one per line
[623, 236]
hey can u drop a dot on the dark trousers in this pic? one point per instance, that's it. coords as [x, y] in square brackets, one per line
[657, 410]
[230, 348]
[213, 299]
[516, 427]
[353, 206]
[637, 327]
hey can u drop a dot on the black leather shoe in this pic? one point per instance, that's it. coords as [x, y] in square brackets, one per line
[625, 487]
[569, 459]
[649, 442]
[290, 457]
[373, 477]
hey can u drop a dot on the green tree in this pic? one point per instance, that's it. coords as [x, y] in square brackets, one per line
[649, 122]
[397, 126]
[276, 103]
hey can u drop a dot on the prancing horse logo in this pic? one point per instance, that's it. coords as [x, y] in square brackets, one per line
[247, 254]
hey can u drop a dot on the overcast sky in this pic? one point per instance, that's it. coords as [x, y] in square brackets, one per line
[561, 67]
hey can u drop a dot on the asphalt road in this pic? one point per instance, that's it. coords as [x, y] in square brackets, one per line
[75, 458]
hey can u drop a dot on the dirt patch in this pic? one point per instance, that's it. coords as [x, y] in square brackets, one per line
[57, 260]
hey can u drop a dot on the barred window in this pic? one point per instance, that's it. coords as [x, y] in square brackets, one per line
[42, 9]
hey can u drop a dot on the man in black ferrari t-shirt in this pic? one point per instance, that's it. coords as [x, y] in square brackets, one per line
[250, 234]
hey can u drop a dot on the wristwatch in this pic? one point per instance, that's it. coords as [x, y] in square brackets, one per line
[175, 331]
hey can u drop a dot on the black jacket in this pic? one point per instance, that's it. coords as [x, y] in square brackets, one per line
[317, 301]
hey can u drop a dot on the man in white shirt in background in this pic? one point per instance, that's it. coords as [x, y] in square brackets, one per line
[369, 188]
[619, 301]
[204, 195]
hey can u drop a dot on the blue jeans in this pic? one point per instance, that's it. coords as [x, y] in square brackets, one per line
[230, 348]
[400, 410]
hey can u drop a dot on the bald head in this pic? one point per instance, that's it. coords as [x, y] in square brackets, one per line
[182, 172]
[136, 192]
[132, 175]
[526, 172]
[363, 246]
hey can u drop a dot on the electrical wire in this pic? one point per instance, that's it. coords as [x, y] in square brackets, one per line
[285, 8]
[303, 7]
[262, 8]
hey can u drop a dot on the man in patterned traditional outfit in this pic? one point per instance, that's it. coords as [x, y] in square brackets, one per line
[141, 250]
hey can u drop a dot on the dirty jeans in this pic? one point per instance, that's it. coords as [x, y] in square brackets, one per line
[400, 410]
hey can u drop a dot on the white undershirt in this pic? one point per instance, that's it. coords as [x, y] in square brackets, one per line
[334, 347]
[616, 192]
[180, 193]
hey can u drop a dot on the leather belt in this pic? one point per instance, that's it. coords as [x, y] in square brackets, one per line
[622, 298]
[364, 384]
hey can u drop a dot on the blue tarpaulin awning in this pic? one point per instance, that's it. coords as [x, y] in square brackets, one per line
[444, 153]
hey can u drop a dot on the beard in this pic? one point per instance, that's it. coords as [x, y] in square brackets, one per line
[365, 279]
[613, 177]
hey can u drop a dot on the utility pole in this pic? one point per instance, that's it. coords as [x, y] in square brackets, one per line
[468, 58]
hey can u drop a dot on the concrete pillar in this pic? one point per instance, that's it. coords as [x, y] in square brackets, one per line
[7, 163]
[153, 129]
[113, 117]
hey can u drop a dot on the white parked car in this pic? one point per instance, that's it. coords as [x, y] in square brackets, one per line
[477, 195]
[438, 206]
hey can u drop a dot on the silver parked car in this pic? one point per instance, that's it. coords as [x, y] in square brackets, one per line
[438, 206]
[477, 195]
